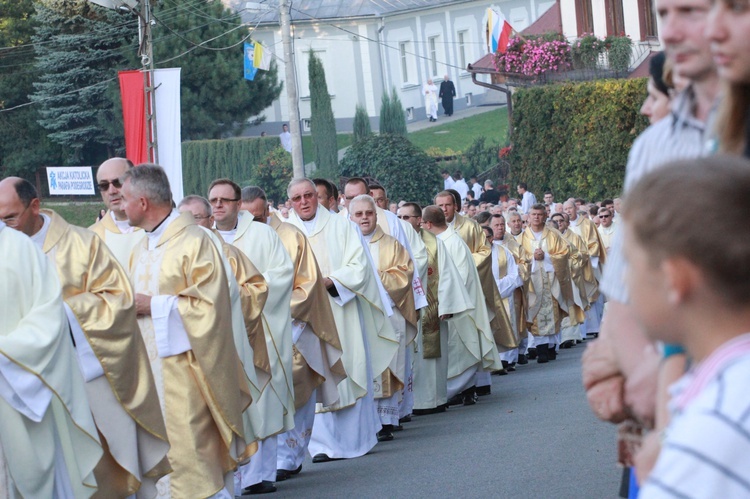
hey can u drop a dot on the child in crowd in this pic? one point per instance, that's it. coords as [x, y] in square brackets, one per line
[689, 281]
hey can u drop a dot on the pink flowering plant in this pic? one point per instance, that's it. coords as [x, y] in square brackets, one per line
[532, 57]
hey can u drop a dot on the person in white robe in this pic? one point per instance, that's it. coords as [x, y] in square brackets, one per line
[264, 249]
[49, 444]
[447, 296]
[114, 229]
[430, 94]
[368, 342]
[471, 343]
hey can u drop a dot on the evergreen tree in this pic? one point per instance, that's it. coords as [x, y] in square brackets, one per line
[385, 112]
[392, 118]
[362, 128]
[398, 117]
[216, 100]
[24, 145]
[79, 47]
[322, 123]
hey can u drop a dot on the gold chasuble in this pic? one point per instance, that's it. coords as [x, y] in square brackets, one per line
[520, 295]
[311, 312]
[396, 271]
[584, 284]
[594, 246]
[274, 411]
[35, 340]
[430, 318]
[473, 235]
[550, 287]
[203, 390]
[341, 257]
[119, 243]
[124, 400]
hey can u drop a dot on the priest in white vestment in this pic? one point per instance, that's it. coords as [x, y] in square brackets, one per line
[185, 315]
[100, 306]
[471, 345]
[49, 445]
[367, 339]
[317, 366]
[114, 229]
[395, 270]
[446, 296]
[262, 246]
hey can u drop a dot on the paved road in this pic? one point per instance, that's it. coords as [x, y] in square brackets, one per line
[533, 437]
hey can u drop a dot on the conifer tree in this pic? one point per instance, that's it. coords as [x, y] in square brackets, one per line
[323, 124]
[79, 47]
[392, 119]
[362, 128]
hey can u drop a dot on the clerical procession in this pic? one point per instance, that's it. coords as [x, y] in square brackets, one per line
[564, 314]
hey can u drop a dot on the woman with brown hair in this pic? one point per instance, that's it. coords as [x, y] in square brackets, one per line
[729, 33]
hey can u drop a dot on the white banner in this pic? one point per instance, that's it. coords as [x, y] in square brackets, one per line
[167, 84]
[70, 181]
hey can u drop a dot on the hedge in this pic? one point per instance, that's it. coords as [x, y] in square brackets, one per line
[206, 160]
[406, 171]
[574, 138]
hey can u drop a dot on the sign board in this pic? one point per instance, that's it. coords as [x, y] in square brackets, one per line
[70, 181]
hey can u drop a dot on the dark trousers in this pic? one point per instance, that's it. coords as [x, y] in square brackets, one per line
[448, 105]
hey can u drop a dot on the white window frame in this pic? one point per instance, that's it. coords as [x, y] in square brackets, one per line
[461, 42]
[432, 51]
[403, 52]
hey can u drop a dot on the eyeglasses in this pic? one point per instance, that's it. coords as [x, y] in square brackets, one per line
[406, 217]
[605, 216]
[300, 197]
[12, 220]
[104, 184]
[199, 217]
[218, 201]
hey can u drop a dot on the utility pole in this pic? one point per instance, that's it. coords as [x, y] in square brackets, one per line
[146, 52]
[285, 20]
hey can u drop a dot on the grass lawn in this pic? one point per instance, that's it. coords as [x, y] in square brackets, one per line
[459, 134]
[82, 214]
[343, 140]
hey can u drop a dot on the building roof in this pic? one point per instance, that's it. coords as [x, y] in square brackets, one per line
[307, 10]
[550, 21]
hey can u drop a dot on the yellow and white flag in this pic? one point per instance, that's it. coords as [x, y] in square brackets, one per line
[262, 57]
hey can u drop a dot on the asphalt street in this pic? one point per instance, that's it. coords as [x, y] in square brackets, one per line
[534, 436]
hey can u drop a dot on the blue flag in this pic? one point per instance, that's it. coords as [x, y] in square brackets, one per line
[248, 57]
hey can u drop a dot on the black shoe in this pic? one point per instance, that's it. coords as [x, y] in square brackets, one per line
[484, 390]
[567, 344]
[551, 352]
[531, 354]
[470, 396]
[398, 427]
[511, 367]
[386, 434]
[426, 412]
[323, 458]
[282, 475]
[522, 360]
[264, 487]
[505, 364]
[456, 400]
[542, 351]
[405, 419]
[500, 372]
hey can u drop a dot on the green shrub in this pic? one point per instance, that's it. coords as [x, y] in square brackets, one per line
[619, 49]
[574, 138]
[323, 124]
[585, 51]
[273, 173]
[392, 117]
[480, 156]
[203, 161]
[403, 169]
